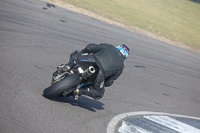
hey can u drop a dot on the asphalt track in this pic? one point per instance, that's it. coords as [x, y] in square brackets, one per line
[35, 37]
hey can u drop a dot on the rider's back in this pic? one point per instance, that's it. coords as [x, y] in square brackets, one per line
[110, 59]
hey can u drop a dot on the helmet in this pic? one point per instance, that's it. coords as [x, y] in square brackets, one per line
[124, 50]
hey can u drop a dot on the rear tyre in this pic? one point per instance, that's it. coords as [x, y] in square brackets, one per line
[58, 88]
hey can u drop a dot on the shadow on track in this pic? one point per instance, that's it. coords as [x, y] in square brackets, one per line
[83, 102]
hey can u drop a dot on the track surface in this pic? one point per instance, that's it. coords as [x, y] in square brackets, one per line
[35, 37]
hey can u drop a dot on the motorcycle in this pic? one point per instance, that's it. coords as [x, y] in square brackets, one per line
[64, 84]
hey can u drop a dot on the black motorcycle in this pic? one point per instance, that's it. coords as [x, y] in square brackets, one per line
[64, 84]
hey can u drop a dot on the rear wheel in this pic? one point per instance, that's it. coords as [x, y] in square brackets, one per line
[59, 87]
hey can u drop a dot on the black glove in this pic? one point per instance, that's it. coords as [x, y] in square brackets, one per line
[63, 68]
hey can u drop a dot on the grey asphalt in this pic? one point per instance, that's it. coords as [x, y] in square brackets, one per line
[36, 36]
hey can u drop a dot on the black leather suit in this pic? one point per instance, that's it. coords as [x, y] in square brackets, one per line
[111, 64]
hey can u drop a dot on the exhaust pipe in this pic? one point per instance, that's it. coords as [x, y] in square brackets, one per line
[88, 72]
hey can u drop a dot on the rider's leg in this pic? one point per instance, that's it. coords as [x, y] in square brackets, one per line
[97, 90]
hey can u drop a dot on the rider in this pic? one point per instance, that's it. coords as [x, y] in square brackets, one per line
[109, 59]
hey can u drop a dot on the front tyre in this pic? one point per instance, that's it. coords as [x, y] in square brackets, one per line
[59, 87]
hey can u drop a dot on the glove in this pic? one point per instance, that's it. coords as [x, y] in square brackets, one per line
[63, 68]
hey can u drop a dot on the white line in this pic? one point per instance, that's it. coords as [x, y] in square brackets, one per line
[126, 128]
[115, 120]
[173, 124]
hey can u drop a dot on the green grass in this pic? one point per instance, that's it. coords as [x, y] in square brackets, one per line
[178, 20]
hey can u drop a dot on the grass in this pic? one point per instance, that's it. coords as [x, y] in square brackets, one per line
[177, 20]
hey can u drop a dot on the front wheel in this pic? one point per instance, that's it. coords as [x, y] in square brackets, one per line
[59, 87]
